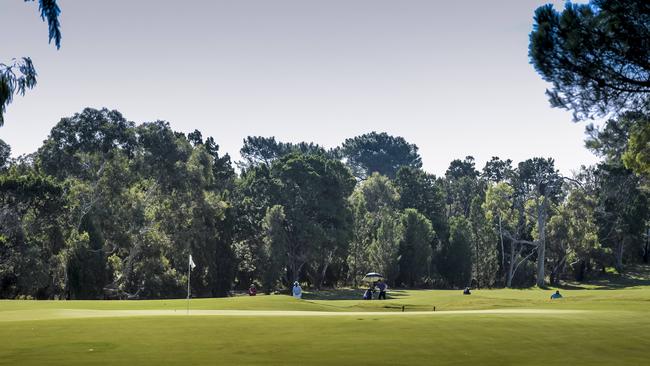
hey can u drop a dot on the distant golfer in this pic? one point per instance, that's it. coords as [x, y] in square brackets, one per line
[467, 291]
[297, 290]
[556, 295]
[381, 285]
[252, 291]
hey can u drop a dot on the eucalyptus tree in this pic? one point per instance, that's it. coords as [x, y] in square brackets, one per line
[540, 185]
[20, 75]
[32, 230]
[313, 190]
[484, 248]
[573, 236]
[374, 244]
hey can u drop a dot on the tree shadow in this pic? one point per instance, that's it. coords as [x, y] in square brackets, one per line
[633, 276]
[334, 294]
[348, 294]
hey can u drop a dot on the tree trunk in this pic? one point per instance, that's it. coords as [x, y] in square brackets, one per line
[503, 254]
[619, 256]
[541, 247]
[478, 266]
[511, 266]
[646, 248]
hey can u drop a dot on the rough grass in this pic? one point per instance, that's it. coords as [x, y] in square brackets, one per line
[612, 331]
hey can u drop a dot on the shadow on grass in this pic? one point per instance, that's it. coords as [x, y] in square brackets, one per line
[336, 294]
[633, 276]
[348, 294]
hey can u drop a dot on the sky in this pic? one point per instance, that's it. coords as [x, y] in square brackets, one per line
[453, 77]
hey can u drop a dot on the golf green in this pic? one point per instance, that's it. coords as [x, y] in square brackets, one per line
[515, 327]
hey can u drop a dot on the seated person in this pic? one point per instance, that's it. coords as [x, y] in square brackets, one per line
[556, 295]
[252, 291]
[297, 290]
[466, 291]
[368, 294]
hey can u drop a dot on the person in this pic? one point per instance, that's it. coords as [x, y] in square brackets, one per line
[381, 285]
[466, 291]
[368, 294]
[297, 290]
[252, 291]
[556, 295]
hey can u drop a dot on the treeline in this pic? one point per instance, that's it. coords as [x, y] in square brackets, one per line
[110, 209]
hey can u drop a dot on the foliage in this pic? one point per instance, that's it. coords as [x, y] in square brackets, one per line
[595, 55]
[462, 185]
[275, 247]
[378, 153]
[5, 154]
[455, 256]
[425, 193]
[20, 75]
[107, 208]
[415, 248]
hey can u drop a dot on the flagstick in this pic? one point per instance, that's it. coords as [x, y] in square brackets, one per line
[189, 273]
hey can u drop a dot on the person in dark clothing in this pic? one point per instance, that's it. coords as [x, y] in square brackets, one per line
[381, 285]
[467, 291]
[368, 294]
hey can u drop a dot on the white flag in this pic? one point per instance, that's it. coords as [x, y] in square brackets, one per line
[192, 265]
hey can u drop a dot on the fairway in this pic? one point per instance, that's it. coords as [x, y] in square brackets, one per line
[489, 327]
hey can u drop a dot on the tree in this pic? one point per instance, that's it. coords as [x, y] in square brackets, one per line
[621, 212]
[637, 154]
[425, 193]
[5, 154]
[497, 170]
[20, 75]
[484, 249]
[498, 208]
[595, 55]
[383, 251]
[414, 248]
[275, 246]
[375, 209]
[540, 183]
[573, 236]
[33, 224]
[264, 150]
[313, 191]
[462, 185]
[455, 256]
[378, 152]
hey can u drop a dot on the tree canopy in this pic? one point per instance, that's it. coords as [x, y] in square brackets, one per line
[595, 56]
[380, 153]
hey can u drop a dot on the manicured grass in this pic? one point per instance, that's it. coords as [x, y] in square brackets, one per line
[612, 331]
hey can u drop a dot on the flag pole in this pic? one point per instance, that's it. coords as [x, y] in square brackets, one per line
[189, 273]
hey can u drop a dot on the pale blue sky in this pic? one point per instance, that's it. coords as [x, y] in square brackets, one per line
[450, 76]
